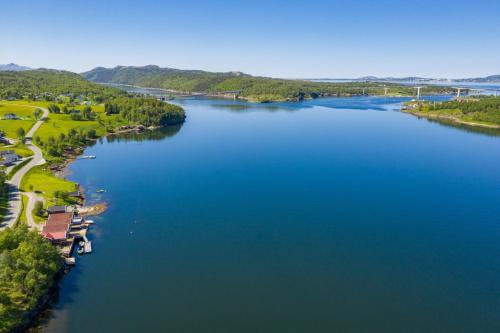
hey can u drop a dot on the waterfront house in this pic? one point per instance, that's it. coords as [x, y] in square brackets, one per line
[56, 209]
[57, 227]
[10, 116]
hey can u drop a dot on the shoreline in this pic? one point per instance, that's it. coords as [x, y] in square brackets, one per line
[254, 100]
[35, 317]
[449, 118]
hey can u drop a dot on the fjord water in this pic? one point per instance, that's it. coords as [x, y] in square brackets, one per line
[334, 215]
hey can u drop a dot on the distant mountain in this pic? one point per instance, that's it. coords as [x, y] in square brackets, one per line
[13, 68]
[487, 79]
[399, 79]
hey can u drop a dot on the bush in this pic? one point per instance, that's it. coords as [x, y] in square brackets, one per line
[38, 209]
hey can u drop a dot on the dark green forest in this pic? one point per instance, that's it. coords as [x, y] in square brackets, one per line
[28, 266]
[145, 111]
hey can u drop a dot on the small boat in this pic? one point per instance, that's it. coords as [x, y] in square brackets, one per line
[89, 221]
[100, 191]
[82, 244]
[80, 250]
[70, 261]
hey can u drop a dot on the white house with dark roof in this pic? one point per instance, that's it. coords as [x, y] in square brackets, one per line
[10, 116]
[8, 157]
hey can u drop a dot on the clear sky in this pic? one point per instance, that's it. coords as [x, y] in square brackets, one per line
[295, 39]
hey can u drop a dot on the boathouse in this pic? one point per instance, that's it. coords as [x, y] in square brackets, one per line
[57, 227]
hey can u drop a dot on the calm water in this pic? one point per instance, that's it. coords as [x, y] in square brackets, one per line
[335, 215]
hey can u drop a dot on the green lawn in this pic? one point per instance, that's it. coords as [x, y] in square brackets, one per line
[61, 123]
[22, 111]
[46, 183]
[10, 127]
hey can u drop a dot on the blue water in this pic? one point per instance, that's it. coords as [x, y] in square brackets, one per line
[332, 215]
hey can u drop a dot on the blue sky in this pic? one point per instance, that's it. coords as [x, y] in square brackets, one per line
[294, 39]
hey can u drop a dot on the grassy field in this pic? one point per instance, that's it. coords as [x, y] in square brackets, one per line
[19, 110]
[43, 181]
[55, 124]
[62, 123]
[10, 127]
[22, 109]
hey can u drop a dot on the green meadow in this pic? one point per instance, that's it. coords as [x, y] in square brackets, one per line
[42, 181]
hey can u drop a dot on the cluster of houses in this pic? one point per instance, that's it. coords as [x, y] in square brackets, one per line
[8, 157]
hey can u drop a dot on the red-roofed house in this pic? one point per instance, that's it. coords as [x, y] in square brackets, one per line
[57, 226]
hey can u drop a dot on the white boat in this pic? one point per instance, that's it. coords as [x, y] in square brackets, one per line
[70, 261]
[80, 250]
[89, 221]
[77, 219]
[82, 244]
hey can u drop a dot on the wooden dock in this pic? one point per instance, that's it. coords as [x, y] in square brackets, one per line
[76, 234]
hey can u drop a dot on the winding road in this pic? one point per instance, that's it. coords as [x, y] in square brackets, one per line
[15, 199]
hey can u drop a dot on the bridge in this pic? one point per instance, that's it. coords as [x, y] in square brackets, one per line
[461, 91]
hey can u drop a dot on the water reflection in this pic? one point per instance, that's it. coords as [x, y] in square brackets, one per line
[464, 127]
[155, 135]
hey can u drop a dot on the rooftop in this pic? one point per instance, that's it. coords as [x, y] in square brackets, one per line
[56, 209]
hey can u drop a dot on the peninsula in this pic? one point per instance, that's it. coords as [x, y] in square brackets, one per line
[476, 111]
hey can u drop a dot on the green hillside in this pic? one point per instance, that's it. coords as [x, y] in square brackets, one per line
[249, 87]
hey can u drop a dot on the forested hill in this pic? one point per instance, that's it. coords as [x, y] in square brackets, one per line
[32, 83]
[68, 89]
[250, 87]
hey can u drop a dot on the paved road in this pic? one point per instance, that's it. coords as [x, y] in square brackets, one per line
[15, 182]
